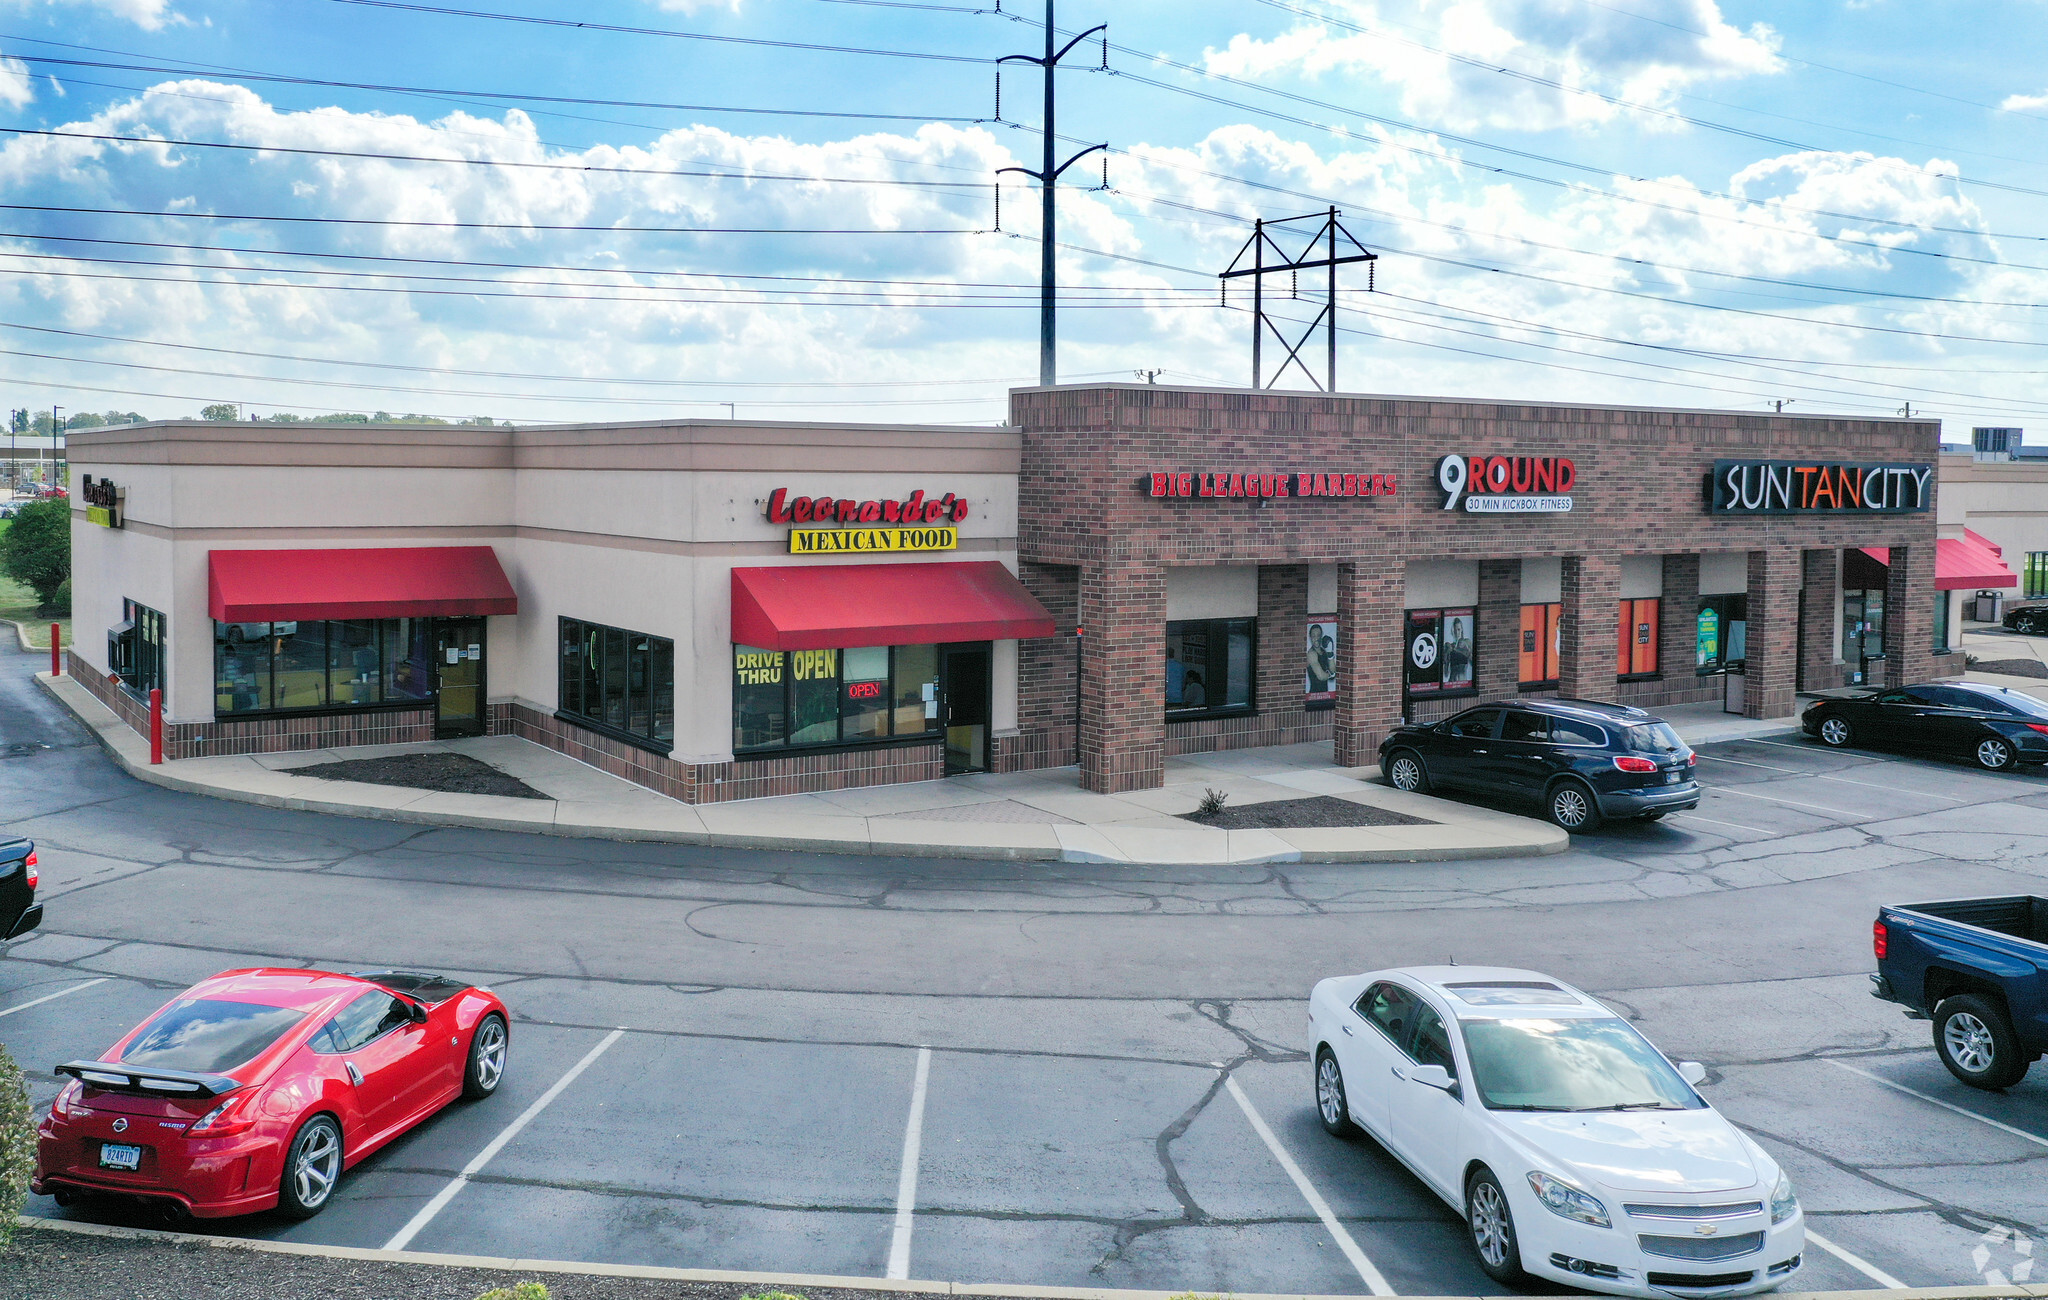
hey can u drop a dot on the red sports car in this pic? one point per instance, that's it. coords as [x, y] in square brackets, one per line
[256, 1088]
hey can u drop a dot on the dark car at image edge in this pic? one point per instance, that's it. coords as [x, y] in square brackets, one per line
[1996, 727]
[19, 875]
[1584, 761]
[2029, 619]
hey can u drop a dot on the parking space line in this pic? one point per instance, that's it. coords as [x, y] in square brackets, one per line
[906, 1181]
[1840, 780]
[403, 1237]
[1695, 817]
[1374, 1283]
[1857, 1262]
[52, 997]
[1832, 812]
[1964, 1111]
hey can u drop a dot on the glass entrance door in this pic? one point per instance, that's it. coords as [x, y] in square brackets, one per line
[1863, 633]
[458, 677]
[965, 672]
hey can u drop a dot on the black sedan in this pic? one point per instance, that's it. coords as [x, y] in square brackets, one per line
[2029, 619]
[19, 910]
[1583, 761]
[1997, 727]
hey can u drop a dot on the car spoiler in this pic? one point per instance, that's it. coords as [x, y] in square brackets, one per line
[112, 1076]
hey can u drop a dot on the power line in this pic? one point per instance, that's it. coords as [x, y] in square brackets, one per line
[486, 225]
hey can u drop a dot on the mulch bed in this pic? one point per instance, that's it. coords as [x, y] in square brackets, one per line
[2011, 667]
[1302, 814]
[47, 1265]
[448, 773]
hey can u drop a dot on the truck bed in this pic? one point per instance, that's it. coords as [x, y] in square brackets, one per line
[2020, 916]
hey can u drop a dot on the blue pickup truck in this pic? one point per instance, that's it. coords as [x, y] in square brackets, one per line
[1977, 968]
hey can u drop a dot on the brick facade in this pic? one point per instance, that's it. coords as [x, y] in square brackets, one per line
[1083, 509]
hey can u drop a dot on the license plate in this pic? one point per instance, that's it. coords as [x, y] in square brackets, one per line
[113, 1156]
[1671, 778]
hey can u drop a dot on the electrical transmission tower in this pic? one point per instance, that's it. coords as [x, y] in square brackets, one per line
[1307, 259]
[1047, 176]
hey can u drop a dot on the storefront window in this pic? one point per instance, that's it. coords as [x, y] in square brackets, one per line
[2035, 579]
[135, 649]
[1440, 651]
[1941, 603]
[309, 664]
[1319, 687]
[1537, 650]
[619, 681]
[1721, 633]
[1636, 639]
[828, 697]
[1209, 666]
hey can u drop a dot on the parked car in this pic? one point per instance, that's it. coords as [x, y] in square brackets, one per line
[239, 632]
[2027, 618]
[19, 876]
[1584, 762]
[257, 1088]
[1574, 1150]
[9, 509]
[1973, 967]
[1996, 727]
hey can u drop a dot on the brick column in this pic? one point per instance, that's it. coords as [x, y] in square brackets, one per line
[1498, 671]
[1909, 615]
[1123, 676]
[1370, 658]
[1283, 639]
[1820, 583]
[1045, 678]
[1773, 652]
[1678, 620]
[1589, 628]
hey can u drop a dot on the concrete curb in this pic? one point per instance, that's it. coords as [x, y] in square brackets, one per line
[652, 1272]
[131, 753]
[28, 647]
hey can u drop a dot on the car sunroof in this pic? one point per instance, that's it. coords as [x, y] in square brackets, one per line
[1507, 993]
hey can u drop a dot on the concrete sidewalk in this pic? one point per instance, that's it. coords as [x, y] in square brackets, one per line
[1042, 815]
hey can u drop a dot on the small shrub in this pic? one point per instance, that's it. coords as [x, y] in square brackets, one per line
[17, 1144]
[523, 1291]
[1212, 802]
[60, 603]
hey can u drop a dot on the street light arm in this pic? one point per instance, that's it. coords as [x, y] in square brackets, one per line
[1023, 58]
[1076, 158]
[1099, 27]
[1036, 176]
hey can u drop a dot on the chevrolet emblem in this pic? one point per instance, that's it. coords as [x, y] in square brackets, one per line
[1706, 1229]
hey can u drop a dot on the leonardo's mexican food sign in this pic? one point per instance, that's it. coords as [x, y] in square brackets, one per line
[1791, 487]
[917, 523]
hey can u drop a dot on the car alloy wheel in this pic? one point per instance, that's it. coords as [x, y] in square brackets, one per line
[1490, 1224]
[1970, 1043]
[1331, 1105]
[1405, 772]
[1993, 754]
[487, 1051]
[1835, 732]
[315, 1166]
[1572, 807]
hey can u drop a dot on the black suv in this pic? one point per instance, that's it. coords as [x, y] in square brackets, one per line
[19, 910]
[1584, 761]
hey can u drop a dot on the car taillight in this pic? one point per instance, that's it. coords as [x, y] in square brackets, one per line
[1878, 938]
[1692, 759]
[2041, 727]
[34, 877]
[229, 1118]
[60, 1108]
[1630, 763]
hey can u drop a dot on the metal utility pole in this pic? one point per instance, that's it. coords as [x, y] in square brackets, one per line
[54, 426]
[1261, 240]
[1047, 176]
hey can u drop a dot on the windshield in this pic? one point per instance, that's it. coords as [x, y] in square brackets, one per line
[1571, 1065]
[209, 1037]
[1653, 738]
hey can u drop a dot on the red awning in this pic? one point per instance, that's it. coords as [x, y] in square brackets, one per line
[1961, 563]
[386, 582]
[821, 606]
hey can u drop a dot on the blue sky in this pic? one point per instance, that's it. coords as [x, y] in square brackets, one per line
[1660, 202]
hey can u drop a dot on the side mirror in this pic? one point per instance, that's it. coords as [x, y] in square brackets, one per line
[414, 1011]
[1692, 1072]
[1432, 1076]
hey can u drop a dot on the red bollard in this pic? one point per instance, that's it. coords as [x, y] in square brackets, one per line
[156, 725]
[56, 650]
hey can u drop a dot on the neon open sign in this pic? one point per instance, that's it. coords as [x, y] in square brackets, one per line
[863, 690]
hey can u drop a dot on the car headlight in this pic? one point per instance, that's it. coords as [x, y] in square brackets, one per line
[1783, 1203]
[1560, 1197]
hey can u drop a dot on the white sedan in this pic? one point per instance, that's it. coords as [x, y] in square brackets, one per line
[1574, 1150]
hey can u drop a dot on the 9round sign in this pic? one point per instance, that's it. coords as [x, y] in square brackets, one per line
[1497, 485]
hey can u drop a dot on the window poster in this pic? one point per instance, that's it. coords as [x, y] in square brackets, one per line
[1320, 685]
[1439, 643]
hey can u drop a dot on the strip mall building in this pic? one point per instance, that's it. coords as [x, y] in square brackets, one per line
[729, 609]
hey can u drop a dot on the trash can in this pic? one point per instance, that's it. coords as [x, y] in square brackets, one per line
[1989, 606]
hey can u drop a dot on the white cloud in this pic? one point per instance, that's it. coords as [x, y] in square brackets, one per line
[16, 86]
[2024, 103]
[1579, 47]
[150, 15]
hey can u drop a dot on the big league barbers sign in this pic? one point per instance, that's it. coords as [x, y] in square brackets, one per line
[1791, 487]
[1507, 485]
[1264, 483]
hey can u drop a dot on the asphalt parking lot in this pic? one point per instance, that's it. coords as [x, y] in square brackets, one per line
[1099, 1048]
